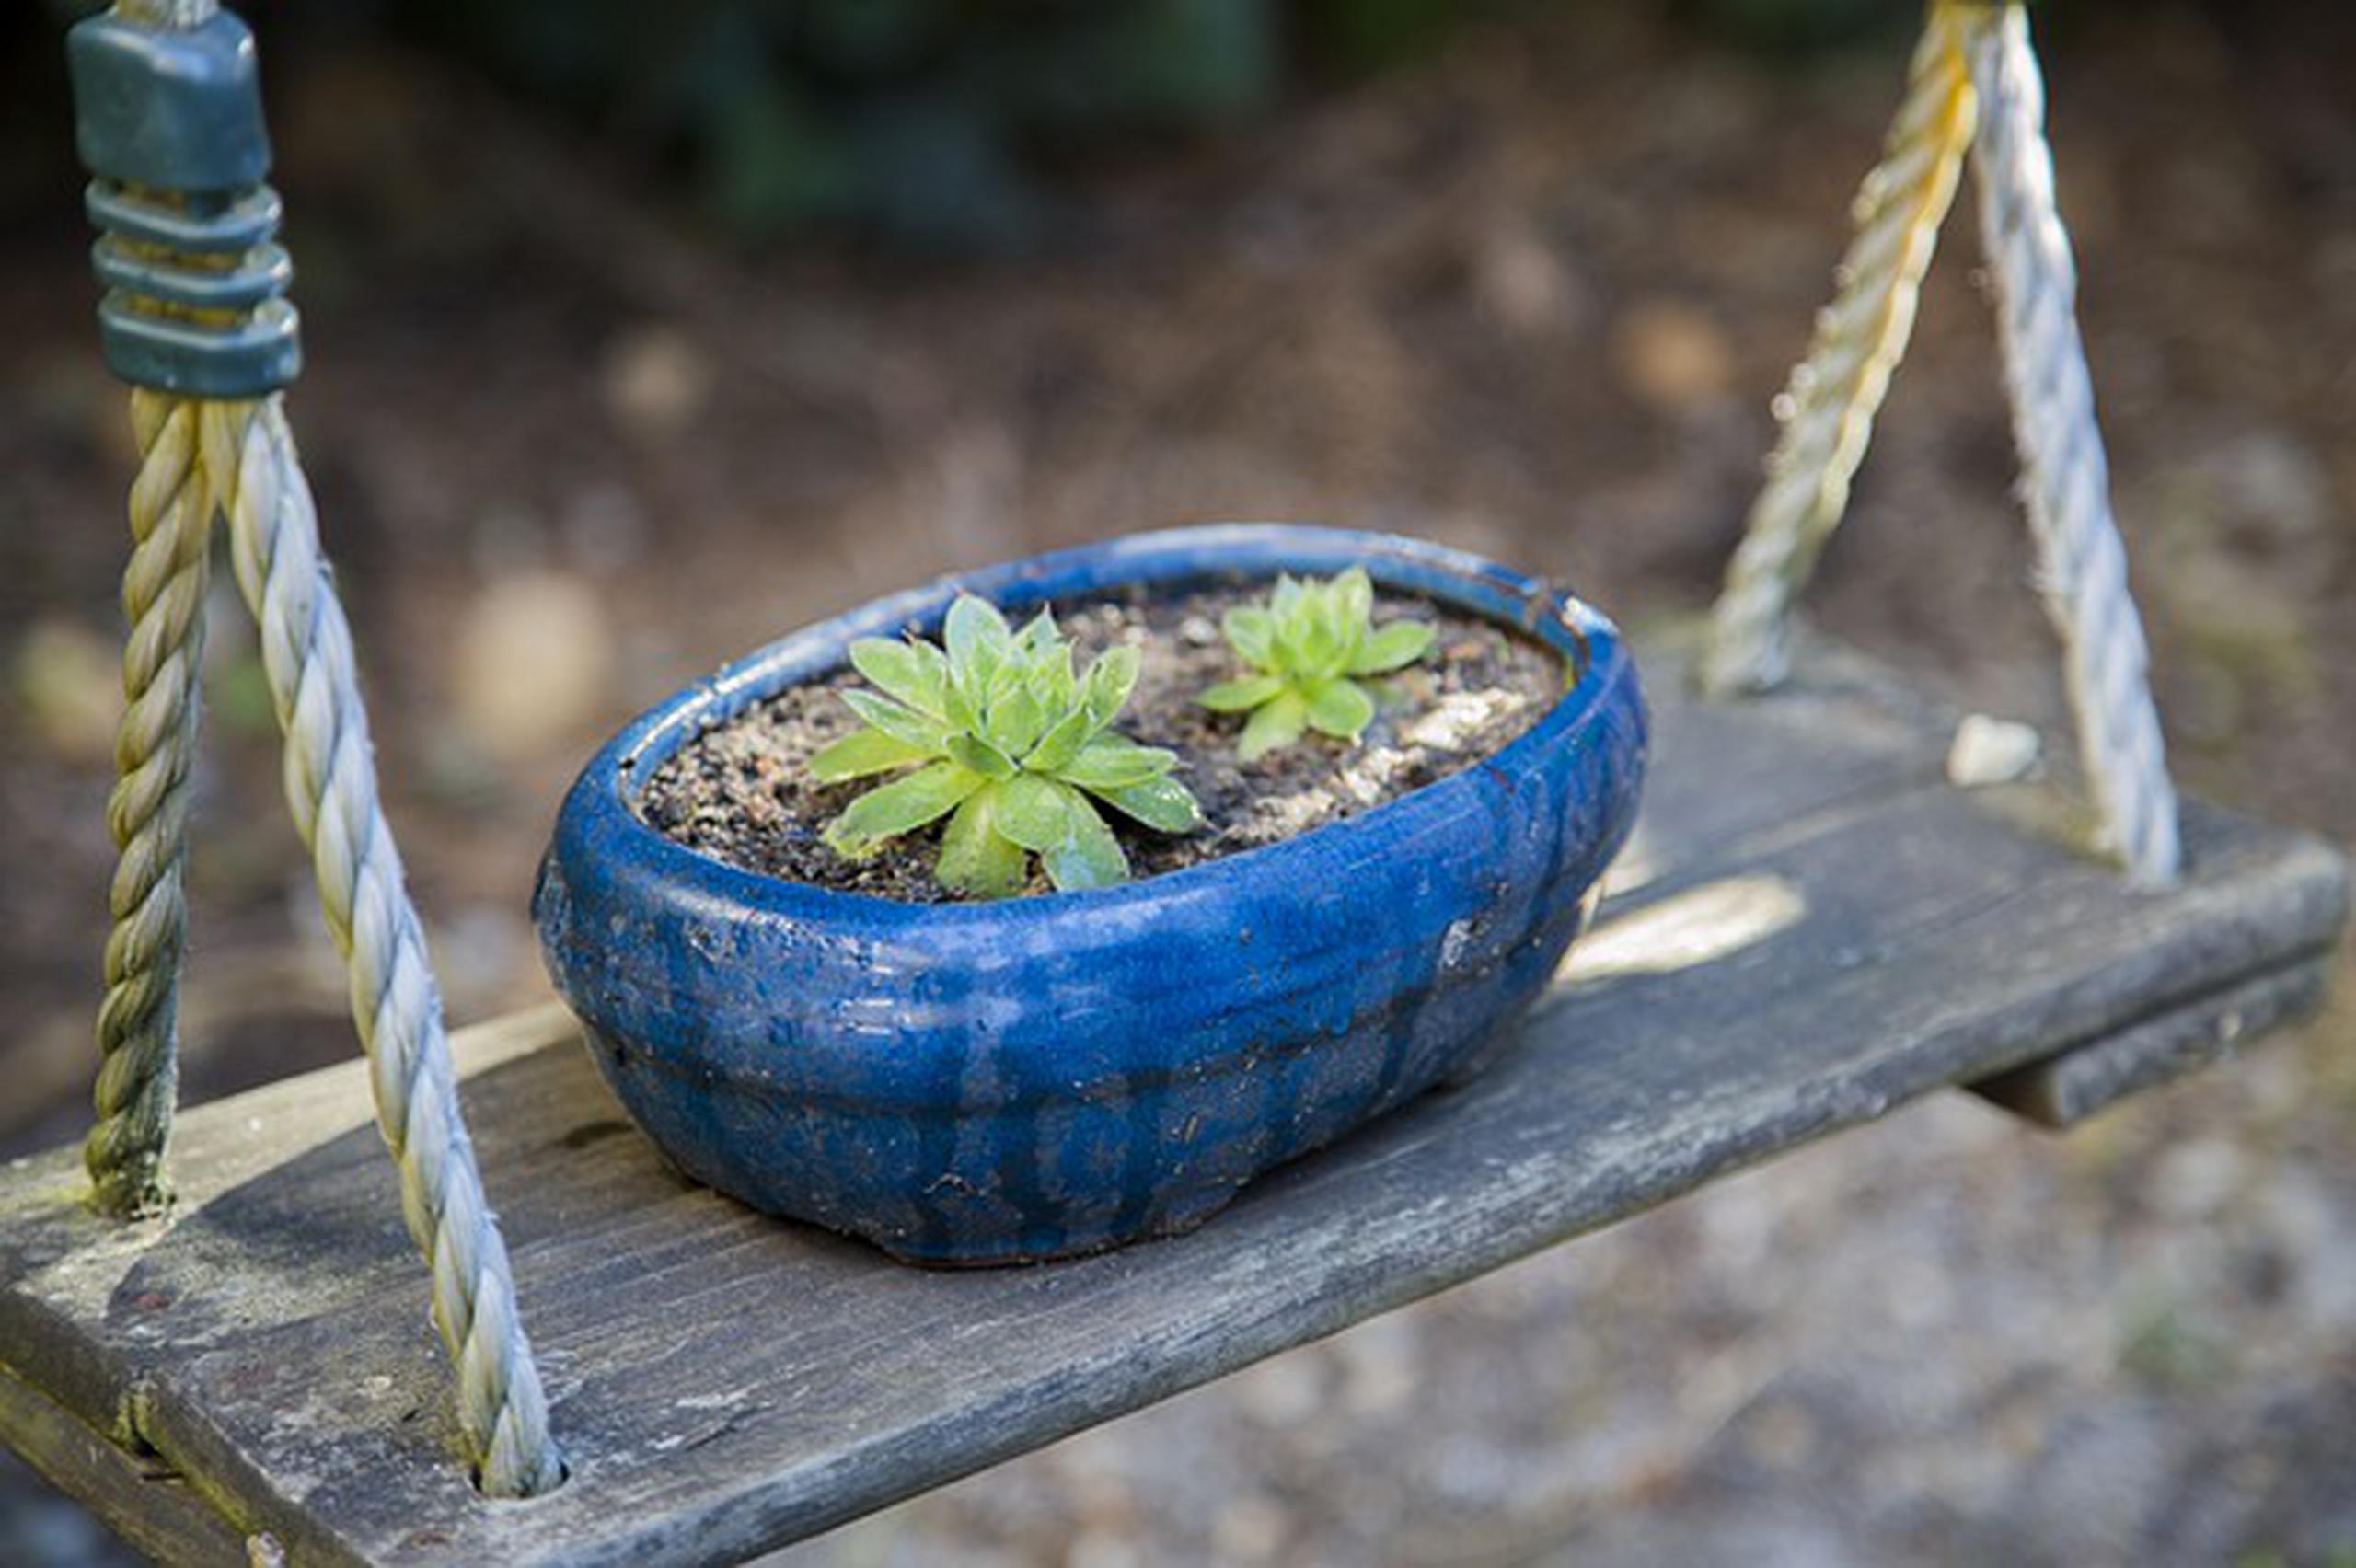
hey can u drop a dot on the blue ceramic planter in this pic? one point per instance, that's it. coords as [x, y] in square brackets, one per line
[983, 1083]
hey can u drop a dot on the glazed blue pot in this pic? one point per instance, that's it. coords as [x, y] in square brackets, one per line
[987, 1083]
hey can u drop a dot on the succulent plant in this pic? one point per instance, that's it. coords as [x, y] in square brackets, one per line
[1015, 748]
[1308, 646]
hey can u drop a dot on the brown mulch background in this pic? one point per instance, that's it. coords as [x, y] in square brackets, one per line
[1532, 298]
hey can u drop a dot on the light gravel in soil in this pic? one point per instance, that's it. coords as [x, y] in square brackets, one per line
[742, 794]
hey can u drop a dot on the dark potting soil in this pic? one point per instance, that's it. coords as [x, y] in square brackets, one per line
[742, 792]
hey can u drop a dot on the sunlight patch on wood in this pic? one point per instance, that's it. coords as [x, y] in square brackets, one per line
[1700, 926]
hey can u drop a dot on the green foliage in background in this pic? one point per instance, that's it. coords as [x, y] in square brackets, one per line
[926, 122]
[1012, 741]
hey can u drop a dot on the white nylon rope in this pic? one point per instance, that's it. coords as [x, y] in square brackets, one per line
[330, 779]
[2066, 478]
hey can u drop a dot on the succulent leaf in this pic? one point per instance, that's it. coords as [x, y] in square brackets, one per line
[1393, 646]
[1040, 634]
[976, 634]
[912, 672]
[1110, 681]
[1242, 697]
[1251, 631]
[1354, 597]
[1275, 724]
[1064, 741]
[898, 721]
[976, 857]
[1111, 761]
[1031, 812]
[1015, 720]
[1160, 803]
[860, 753]
[904, 805]
[1089, 856]
[972, 751]
[1340, 708]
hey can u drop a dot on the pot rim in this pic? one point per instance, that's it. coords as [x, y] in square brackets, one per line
[598, 810]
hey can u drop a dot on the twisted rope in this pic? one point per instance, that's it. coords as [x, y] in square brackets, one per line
[162, 600]
[330, 782]
[182, 14]
[2065, 484]
[1828, 409]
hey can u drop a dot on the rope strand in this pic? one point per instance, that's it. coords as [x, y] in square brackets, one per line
[330, 781]
[162, 600]
[2065, 477]
[180, 15]
[1828, 406]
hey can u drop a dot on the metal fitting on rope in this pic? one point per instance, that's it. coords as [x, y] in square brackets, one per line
[168, 122]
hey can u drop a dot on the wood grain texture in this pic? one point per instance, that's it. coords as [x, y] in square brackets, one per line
[2064, 1090]
[1810, 929]
[157, 1510]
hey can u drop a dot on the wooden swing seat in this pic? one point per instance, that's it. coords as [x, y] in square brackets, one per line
[1812, 928]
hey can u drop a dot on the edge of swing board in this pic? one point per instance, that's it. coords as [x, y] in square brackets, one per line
[1843, 934]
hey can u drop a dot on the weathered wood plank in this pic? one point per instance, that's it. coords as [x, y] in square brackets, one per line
[1812, 930]
[154, 1507]
[2066, 1088]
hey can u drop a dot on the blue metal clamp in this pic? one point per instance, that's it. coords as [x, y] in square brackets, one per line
[169, 124]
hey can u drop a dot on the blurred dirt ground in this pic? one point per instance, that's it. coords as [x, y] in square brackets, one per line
[1532, 298]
